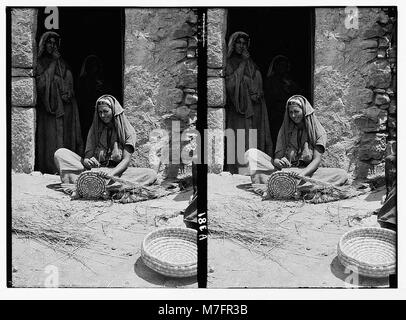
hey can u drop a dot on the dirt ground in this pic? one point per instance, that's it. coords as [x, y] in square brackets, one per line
[305, 256]
[306, 234]
[112, 258]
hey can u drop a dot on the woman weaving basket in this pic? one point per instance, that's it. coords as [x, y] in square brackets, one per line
[299, 148]
[110, 144]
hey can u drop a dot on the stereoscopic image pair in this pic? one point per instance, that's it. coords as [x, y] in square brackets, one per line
[202, 147]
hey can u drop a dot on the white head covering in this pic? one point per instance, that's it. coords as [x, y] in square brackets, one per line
[233, 39]
[44, 38]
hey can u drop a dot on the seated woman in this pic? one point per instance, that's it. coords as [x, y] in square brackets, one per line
[110, 144]
[300, 145]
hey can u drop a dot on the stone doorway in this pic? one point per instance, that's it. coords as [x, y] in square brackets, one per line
[91, 31]
[279, 31]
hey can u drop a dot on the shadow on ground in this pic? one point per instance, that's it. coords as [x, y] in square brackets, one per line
[353, 279]
[153, 277]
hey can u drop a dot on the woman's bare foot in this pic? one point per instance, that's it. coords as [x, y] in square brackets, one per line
[261, 177]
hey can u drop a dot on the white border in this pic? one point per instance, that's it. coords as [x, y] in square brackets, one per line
[206, 294]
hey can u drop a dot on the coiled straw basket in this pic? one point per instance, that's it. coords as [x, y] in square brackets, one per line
[171, 251]
[90, 185]
[369, 251]
[281, 185]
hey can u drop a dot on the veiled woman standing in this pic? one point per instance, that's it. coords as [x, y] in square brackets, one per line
[279, 87]
[245, 106]
[58, 118]
[91, 85]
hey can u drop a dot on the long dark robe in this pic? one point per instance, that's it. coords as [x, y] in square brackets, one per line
[58, 123]
[246, 107]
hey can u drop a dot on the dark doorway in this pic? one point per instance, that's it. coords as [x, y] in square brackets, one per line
[279, 31]
[273, 31]
[91, 31]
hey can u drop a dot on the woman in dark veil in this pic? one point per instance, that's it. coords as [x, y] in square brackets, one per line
[279, 87]
[91, 86]
[57, 112]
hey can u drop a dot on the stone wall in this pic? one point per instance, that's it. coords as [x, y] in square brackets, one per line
[216, 48]
[160, 78]
[355, 88]
[23, 91]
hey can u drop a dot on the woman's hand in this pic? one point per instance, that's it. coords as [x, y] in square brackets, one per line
[66, 97]
[103, 174]
[255, 97]
[91, 163]
[295, 174]
[55, 54]
[282, 163]
[245, 54]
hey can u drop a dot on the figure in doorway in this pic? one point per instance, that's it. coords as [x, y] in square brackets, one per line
[91, 86]
[245, 106]
[58, 122]
[279, 87]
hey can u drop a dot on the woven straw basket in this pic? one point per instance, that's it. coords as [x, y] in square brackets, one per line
[281, 185]
[171, 251]
[368, 251]
[90, 185]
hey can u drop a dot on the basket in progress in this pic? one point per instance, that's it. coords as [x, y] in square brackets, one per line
[171, 251]
[90, 185]
[281, 185]
[369, 251]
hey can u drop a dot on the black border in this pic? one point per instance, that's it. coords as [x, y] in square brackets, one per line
[8, 141]
[202, 165]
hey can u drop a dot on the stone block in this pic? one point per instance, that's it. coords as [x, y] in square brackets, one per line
[191, 99]
[192, 43]
[185, 30]
[188, 80]
[216, 29]
[380, 91]
[191, 53]
[372, 146]
[365, 95]
[373, 120]
[215, 92]
[391, 147]
[174, 96]
[381, 54]
[215, 139]
[178, 44]
[368, 44]
[392, 133]
[188, 90]
[23, 124]
[23, 32]
[383, 18]
[379, 75]
[367, 170]
[381, 99]
[215, 73]
[392, 122]
[23, 92]
[19, 72]
[374, 31]
[384, 42]
[392, 108]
